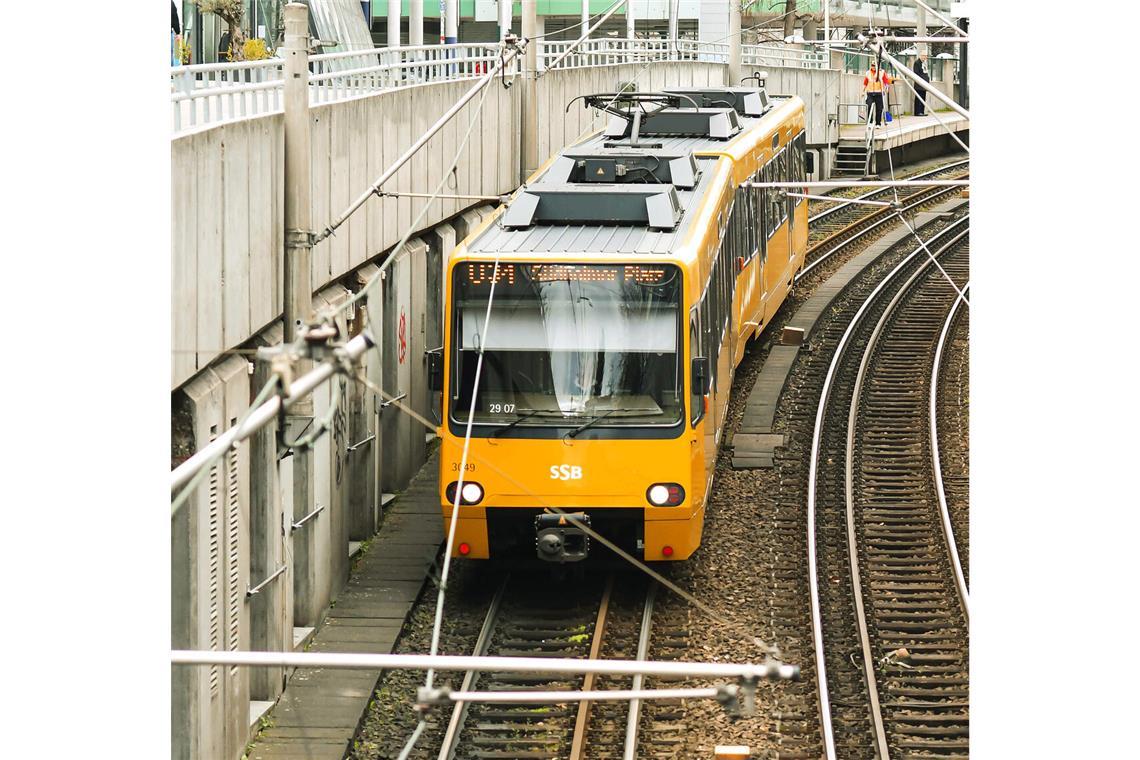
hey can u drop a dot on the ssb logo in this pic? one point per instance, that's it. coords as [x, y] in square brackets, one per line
[565, 472]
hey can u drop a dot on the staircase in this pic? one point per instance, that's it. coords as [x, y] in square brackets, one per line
[851, 159]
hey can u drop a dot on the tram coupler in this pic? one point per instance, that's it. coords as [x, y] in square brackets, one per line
[560, 537]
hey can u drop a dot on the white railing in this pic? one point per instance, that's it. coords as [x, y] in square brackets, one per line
[782, 55]
[209, 93]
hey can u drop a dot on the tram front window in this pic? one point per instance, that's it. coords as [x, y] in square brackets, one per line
[567, 345]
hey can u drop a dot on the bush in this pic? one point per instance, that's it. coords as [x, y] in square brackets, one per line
[255, 50]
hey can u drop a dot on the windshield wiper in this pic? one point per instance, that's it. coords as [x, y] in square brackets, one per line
[529, 413]
[595, 420]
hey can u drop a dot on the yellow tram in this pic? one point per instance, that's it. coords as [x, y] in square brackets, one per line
[601, 314]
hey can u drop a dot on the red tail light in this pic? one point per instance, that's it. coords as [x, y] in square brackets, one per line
[667, 551]
[465, 549]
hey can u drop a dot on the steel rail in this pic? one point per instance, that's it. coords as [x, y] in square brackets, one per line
[866, 196]
[880, 729]
[943, 509]
[634, 719]
[887, 218]
[813, 572]
[578, 743]
[567, 665]
[482, 644]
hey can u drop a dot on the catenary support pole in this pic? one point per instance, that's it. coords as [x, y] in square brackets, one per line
[529, 133]
[733, 43]
[630, 20]
[298, 290]
[585, 30]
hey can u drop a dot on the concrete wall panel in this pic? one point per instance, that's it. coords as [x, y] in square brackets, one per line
[270, 609]
[263, 257]
[416, 360]
[235, 234]
[373, 167]
[183, 266]
[359, 252]
[234, 376]
[321, 142]
[209, 204]
[340, 194]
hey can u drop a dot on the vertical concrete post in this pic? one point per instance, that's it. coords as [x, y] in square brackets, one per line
[451, 23]
[585, 20]
[733, 75]
[629, 20]
[393, 23]
[529, 132]
[415, 22]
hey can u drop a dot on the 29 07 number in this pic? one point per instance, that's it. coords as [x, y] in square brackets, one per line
[501, 408]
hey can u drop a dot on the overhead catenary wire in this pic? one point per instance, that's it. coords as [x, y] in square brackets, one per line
[397, 250]
[416, 146]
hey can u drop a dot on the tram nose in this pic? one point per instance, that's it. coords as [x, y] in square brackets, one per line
[559, 538]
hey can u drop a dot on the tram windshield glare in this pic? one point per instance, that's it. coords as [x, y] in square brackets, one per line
[567, 344]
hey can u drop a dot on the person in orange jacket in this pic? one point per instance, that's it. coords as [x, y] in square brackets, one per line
[875, 83]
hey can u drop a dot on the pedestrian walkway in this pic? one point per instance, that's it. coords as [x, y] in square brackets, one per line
[754, 444]
[317, 716]
[903, 130]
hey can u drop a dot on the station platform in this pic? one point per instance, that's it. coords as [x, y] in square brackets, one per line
[317, 715]
[904, 130]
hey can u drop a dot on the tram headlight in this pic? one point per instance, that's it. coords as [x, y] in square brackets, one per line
[471, 493]
[665, 494]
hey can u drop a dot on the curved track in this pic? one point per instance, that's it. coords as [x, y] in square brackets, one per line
[891, 642]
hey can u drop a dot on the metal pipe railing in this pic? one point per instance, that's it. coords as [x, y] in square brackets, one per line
[658, 668]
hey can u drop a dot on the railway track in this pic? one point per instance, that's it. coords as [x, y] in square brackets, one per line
[829, 216]
[950, 418]
[890, 624]
[587, 620]
[840, 228]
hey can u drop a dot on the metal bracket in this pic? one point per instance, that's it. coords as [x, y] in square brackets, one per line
[394, 399]
[358, 444]
[297, 525]
[257, 589]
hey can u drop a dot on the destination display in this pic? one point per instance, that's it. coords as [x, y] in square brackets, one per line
[482, 273]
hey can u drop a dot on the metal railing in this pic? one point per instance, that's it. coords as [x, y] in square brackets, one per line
[209, 93]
